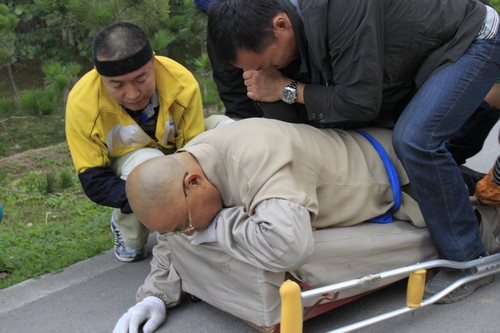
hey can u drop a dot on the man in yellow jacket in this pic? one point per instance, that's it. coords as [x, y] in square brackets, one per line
[131, 107]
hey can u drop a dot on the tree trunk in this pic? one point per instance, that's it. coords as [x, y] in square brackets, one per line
[12, 83]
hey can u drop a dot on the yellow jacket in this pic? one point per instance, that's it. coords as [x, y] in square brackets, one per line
[98, 129]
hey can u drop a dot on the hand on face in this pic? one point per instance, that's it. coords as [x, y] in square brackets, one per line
[265, 85]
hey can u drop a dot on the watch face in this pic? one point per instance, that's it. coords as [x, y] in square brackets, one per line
[288, 95]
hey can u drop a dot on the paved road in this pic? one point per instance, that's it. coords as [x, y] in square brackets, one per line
[90, 297]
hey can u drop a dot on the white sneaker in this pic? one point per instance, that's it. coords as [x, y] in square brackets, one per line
[124, 252]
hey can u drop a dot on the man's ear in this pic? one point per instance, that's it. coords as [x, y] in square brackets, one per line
[281, 22]
[195, 180]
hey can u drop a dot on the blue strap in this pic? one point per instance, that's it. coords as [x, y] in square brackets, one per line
[393, 178]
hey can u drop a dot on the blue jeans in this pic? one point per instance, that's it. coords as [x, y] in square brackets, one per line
[438, 110]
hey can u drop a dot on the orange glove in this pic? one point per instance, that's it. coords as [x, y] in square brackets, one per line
[487, 191]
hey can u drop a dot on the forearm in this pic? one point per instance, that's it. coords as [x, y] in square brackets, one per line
[104, 187]
[163, 280]
[278, 237]
[338, 104]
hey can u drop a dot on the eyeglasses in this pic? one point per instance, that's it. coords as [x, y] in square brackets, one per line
[190, 224]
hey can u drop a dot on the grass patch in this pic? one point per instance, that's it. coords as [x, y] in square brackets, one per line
[45, 233]
[22, 134]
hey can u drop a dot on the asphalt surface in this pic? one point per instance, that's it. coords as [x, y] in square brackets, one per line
[90, 297]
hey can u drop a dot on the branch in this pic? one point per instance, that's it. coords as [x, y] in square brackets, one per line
[37, 193]
[15, 117]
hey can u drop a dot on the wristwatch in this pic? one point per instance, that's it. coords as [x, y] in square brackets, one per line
[289, 93]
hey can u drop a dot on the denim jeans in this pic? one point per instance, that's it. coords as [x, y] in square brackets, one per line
[439, 109]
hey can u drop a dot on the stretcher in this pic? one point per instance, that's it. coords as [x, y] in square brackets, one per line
[340, 254]
[293, 299]
[342, 268]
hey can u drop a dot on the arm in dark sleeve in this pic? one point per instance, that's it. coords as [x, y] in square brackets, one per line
[104, 187]
[352, 67]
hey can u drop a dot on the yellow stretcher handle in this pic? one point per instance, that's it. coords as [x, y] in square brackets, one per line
[415, 291]
[291, 308]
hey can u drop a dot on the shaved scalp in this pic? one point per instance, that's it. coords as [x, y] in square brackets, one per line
[154, 184]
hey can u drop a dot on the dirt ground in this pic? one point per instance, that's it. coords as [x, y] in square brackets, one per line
[36, 159]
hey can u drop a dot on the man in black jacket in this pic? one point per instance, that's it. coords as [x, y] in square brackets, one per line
[420, 67]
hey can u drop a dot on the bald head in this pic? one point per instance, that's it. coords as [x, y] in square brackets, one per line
[153, 184]
[155, 191]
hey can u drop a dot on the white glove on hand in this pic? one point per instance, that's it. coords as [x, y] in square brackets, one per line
[225, 122]
[151, 309]
[206, 236]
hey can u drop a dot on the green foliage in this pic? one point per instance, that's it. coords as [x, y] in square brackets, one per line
[61, 30]
[65, 180]
[60, 78]
[4, 10]
[203, 72]
[18, 135]
[189, 30]
[161, 40]
[8, 23]
[46, 233]
[48, 183]
[7, 108]
[49, 235]
[36, 102]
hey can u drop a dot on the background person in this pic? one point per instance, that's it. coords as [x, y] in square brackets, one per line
[131, 107]
[422, 67]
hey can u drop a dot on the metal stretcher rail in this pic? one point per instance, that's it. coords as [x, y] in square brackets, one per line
[292, 297]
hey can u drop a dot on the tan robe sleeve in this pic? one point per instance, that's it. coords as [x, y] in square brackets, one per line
[162, 281]
[277, 237]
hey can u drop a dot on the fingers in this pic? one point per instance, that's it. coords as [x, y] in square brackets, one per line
[247, 75]
[152, 324]
[122, 324]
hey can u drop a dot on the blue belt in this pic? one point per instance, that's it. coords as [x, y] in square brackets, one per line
[393, 178]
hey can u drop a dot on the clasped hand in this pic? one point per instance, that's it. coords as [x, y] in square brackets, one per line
[265, 85]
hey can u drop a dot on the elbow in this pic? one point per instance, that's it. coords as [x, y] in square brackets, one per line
[297, 255]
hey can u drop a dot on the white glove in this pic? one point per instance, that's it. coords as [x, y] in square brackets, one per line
[225, 122]
[151, 309]
[206, 236]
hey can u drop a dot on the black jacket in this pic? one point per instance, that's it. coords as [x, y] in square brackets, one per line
[362, 60]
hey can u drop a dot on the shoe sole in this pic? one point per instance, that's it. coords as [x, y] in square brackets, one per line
[481, 282]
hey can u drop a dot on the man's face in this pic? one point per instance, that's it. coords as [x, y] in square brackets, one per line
[132, 90]
[200, 207]
[275, 56]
